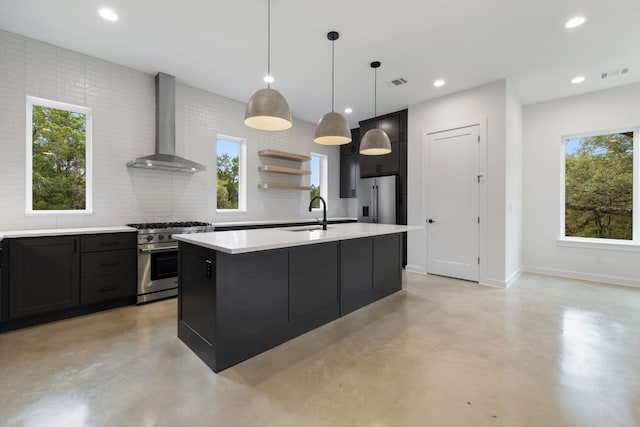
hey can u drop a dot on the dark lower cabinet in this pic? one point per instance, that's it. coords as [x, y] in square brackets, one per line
[313, 285]
[44, 275]
[52, 278]
[233, 307]
[371, 270]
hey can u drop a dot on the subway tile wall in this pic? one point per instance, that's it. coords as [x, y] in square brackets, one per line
[123, 104]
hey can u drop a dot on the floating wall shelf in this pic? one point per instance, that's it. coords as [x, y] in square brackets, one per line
[284, 155]
[282, 169]
[278, 186]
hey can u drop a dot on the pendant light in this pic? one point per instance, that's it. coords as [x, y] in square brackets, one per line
[267, 109]
[376, 141]
[332, 129]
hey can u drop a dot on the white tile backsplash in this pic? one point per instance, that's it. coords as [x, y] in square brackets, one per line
[123, 105]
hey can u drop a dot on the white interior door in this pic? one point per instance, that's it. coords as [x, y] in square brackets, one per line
[453, 231]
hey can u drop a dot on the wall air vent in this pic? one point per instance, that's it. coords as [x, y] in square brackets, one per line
[397, 82]
[617, 72]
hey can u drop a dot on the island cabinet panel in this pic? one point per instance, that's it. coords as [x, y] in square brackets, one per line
[233, 307]
[387, 259]
[313, 285]
[356, 274]
[197, 303]
[43, 275]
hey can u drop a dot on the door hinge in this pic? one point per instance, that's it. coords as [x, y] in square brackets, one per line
[478, 138]
[478, 220]
[478, 260]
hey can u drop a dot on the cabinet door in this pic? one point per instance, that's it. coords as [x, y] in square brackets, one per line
[313, 281]
[387, 259]
[391, 125]
[44, 275]
[349, 174]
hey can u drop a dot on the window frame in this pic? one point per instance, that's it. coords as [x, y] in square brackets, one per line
[242, 172]
[88, 112]
[324, 179]
[594, 242]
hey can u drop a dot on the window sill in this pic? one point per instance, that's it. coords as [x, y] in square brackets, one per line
[603, 244]
[73, 213]
[231, 211]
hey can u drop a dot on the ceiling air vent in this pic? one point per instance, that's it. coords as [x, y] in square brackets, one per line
[617, 72]
[397, 82]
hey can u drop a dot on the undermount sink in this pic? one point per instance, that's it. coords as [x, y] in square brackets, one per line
[307, 228]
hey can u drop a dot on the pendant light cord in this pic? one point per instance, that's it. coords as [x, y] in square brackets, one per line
[269, 44]
[375, 92]
[333, 66]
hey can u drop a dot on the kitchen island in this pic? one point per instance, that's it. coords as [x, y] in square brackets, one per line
[243, 292]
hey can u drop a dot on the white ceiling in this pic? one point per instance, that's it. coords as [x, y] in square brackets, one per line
[220, 46]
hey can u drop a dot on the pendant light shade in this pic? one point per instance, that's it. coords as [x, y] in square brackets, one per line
[376, 141]
[332, 129]
[268, 109]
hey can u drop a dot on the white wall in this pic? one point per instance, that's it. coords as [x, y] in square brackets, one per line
[513, 187]
[123, 103]
[486, 101]
[545, 124]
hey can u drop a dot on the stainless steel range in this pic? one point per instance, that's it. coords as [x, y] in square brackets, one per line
[158, 257]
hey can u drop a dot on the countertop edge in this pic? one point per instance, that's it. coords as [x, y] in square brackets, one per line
[12, 234]
[196, 239]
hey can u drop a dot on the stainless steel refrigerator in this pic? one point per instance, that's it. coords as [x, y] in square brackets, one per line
[377, 199]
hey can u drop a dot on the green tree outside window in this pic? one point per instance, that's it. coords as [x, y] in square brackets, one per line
[58, 159]
[599, 186]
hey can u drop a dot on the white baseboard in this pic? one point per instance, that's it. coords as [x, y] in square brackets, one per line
[613, 280]
[515, 276]
[494, 283]
[415, 269]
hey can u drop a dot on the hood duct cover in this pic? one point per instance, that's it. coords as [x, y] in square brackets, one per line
[165, 156]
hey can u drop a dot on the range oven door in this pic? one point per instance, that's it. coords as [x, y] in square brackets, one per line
[157, 270]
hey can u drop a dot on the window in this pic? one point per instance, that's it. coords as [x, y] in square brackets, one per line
[231, 166]
[319, 180]
[600, 186]
[58, 157]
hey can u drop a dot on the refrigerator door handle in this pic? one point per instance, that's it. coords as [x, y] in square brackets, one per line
[375, 203]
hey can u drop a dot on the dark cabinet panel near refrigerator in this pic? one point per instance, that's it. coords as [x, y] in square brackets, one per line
[350, 166]
[44, 275]
[395, 126]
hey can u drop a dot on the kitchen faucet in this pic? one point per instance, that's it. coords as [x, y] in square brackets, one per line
[324, 210]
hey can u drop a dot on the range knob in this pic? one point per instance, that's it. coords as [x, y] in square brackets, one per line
[149, 238]
[161, 237]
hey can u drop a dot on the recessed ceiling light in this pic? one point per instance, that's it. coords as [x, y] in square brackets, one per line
[108, 14]
[348, 110]
[268, 79]
[578, 79]
[575, 22]
[439, 83]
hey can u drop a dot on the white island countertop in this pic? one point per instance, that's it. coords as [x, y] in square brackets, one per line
[242, 241]
[63, 232]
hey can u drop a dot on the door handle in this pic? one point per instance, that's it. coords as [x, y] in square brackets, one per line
[430, 221]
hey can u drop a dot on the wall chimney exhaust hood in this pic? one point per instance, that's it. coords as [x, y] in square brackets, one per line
[165, 156]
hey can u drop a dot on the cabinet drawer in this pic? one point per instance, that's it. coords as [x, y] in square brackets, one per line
[108, 242]
[107, 287]
[98, 264]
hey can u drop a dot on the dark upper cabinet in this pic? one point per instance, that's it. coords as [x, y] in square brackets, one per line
[387, 164]
[44, 275]
[395, 125]
[352, 147]
[350, 166]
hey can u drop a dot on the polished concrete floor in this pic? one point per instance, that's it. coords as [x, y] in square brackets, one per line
[443, 352]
